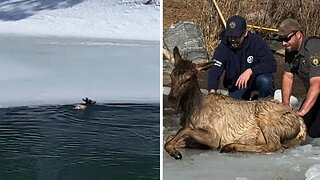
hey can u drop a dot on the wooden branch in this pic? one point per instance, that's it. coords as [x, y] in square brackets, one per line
[167, 54]
[219, 12]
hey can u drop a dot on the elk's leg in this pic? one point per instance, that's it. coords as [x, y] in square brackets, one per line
[234, 147]
[197, 135]
[272, 143]
[188, 142]
[181, 143]
[170, 145]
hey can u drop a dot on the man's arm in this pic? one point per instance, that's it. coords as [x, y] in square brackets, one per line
[312, 96]
[217, 69]
[313, 92]
[266, 64]
[242, 81]
[214, 76]
[286, 87]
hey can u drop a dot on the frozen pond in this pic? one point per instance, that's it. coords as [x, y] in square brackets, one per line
[201, 164]
[49, 70]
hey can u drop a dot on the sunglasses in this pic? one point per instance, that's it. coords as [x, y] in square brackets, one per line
[287, 38]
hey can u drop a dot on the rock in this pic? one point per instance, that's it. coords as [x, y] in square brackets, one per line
[186, 36]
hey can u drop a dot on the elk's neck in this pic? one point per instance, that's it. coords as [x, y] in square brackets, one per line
[191, 101]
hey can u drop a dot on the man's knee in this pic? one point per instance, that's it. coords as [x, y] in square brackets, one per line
[264, 80]
[265, 85]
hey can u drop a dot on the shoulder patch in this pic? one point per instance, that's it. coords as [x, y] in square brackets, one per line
[217, 63]
[315, 59]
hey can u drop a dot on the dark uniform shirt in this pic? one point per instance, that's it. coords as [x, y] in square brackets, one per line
[254, 54]
[306, 62]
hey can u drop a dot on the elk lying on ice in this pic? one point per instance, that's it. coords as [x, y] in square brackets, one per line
[220, 122]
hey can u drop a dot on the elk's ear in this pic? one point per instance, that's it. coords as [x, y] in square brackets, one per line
[176, 55]
[204, 66]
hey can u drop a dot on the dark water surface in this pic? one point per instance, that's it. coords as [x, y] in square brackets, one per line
[109, 141]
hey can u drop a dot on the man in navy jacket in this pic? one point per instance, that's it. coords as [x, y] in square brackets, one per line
[247, 60]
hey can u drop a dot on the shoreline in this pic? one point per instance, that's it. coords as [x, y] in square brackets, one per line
[70, 37]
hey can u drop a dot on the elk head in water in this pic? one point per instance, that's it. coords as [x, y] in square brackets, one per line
[87, 102]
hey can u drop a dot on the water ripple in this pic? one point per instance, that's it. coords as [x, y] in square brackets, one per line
[56, 139]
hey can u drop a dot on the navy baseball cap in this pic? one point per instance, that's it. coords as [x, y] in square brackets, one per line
[236, 26]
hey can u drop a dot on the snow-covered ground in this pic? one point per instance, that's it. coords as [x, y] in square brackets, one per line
[115, 19]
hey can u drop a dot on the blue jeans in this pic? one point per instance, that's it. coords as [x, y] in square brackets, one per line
[262, 83]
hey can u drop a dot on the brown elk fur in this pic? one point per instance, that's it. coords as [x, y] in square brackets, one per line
[230, 125]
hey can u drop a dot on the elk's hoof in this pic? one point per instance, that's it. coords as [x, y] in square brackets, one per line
[280, 150]
[227, 149]
[177, 155]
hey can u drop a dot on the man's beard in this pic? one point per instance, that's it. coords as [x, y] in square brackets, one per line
[236, 45]
[292, 47]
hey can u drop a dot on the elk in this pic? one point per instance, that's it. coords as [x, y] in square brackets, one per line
[221, 122]
[87, 102]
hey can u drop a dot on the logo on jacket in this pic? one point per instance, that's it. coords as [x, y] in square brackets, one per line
[315, 59]
[250, 59]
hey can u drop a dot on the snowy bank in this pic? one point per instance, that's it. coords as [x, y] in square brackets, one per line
[115, 19]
